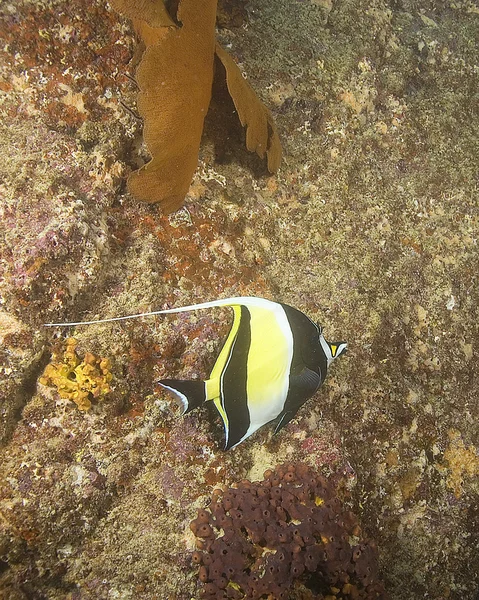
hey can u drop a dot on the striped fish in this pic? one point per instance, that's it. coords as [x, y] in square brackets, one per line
[273, 360]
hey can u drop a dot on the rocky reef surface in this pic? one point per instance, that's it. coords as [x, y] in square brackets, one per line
[370, 227]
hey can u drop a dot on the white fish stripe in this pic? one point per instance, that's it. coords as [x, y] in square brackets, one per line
[262, 412]
[182, 397]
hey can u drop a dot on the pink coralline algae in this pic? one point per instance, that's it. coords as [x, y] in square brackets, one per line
[286, 536]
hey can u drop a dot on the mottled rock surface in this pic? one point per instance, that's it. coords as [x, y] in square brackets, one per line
[370, 228]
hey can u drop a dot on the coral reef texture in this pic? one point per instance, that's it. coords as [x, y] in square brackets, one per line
[369, 227]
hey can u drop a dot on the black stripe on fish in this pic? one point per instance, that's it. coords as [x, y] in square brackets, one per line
[233, 386]
[308, 366]
[307, 348]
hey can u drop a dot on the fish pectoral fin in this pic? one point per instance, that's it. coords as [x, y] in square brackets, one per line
[190, 392]
[305, 383]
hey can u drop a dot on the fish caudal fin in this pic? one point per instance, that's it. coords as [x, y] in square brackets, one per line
[191, 393]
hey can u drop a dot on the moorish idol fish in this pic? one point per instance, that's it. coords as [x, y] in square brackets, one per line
[273, 360]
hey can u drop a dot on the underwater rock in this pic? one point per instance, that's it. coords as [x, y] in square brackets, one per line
[20, 350]
[372, 226]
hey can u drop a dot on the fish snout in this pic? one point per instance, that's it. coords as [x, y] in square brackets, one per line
[337, 348]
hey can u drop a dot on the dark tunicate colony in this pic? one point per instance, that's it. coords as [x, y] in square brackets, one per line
[287, 532]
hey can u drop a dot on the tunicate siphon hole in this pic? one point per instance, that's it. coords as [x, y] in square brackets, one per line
[276, 492]
[308, 539]
[221, 519]
[221, 582]
[203, 574]
[207, 559]
[194, 526]
[203, 516]
[215, 570]
[267, 474]
[282, 537]
[288, 477]
[204, 530]
[217, 493]
[211, 588]
[302, 495]
[297, 569]
[197, 558]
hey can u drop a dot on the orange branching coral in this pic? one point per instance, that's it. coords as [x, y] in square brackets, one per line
[76, 380]
[175, 77]
[261, 134]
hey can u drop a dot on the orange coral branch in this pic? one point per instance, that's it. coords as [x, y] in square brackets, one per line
[175, 78]
[261, 133]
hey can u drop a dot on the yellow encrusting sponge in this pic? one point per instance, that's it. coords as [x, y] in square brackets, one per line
[78, 380]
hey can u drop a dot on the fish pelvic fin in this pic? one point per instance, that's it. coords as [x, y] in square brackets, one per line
[192, 393]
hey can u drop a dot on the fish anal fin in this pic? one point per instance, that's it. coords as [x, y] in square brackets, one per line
[192, 393]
